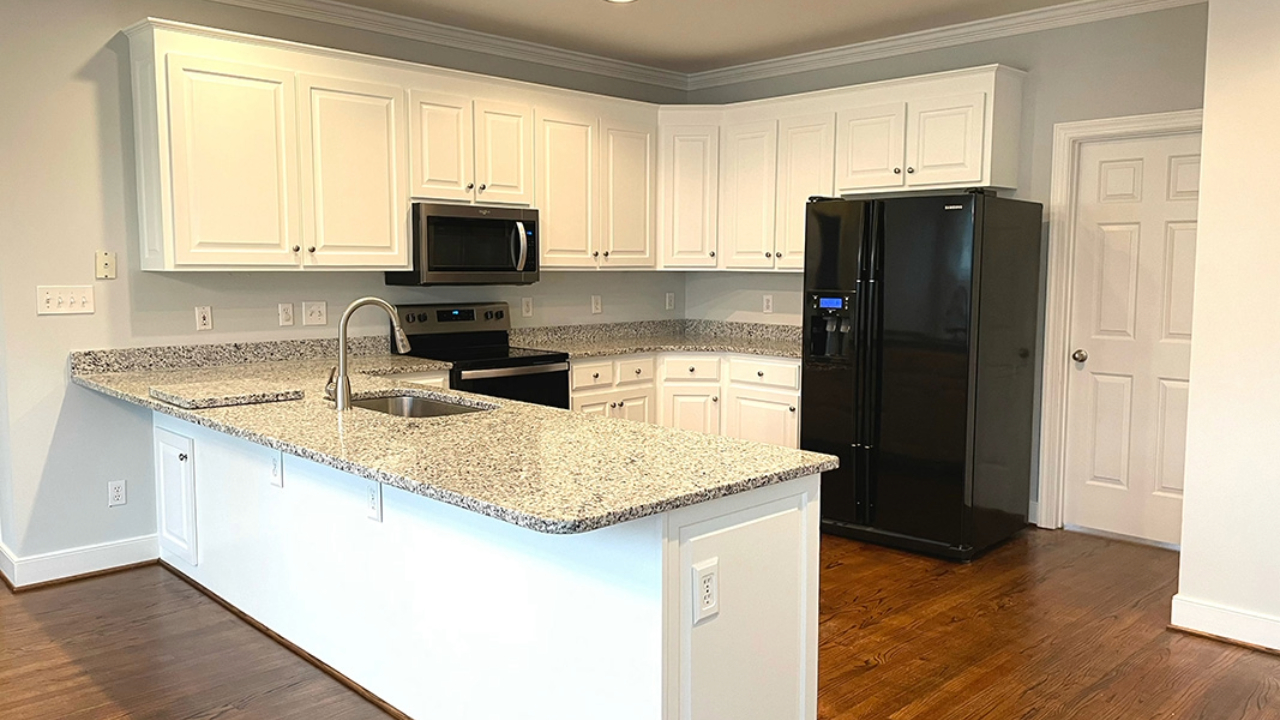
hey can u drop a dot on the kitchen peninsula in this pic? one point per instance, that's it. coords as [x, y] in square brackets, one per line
[513, 562]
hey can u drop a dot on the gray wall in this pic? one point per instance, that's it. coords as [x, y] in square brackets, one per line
[1137, 65]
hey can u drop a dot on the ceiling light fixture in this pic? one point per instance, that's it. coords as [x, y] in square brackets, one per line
[619, 2]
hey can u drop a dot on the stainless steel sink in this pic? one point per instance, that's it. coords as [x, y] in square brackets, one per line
[413, 407]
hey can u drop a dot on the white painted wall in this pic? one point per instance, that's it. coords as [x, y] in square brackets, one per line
[1141, 64]
[1229, 583]
[67, 189]
[739, 297]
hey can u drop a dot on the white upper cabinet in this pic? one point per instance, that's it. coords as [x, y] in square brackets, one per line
[628, 154]
[566, 146]
[805, 169]
[504, 152]
[748, 187]
[234, 165]
[689, 167]
[441, 146]
[352, 139]
[945, 139]
[871, 147]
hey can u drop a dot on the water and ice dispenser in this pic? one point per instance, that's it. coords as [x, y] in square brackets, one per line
[831, 325]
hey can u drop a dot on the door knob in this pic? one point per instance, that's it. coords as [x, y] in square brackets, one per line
[471, 186]
[713, 253]
[1080, 356]
[638, 371]
[483, 187]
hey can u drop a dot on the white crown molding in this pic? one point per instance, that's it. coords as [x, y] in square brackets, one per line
[339, 13]
[1057, 16]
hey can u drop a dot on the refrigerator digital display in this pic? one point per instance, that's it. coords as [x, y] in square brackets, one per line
[831, 303]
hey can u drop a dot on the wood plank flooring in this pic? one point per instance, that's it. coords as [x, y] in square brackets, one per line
[1052, 625]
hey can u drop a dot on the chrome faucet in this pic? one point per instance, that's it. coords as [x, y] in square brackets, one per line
[338, 389]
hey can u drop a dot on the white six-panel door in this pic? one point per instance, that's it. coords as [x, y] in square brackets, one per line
[805, 169]
[352, 138]
[234, 163]
[566, 152]
[1132, 288]
[441, 146]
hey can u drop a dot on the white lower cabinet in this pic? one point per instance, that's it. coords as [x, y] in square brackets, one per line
[176, 486]
[749, 397]
[766, 416]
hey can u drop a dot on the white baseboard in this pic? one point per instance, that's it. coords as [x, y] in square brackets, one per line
[35, 569]
[1225, 622]
[1033, 513]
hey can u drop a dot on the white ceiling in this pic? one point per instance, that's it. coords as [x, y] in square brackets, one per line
[696, 35]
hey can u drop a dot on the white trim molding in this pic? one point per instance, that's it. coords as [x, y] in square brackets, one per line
[60, 564]
[1067, 14]
[1242, 626]
[1067, 140]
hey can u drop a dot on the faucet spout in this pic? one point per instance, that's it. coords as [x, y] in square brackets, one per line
[342, 383]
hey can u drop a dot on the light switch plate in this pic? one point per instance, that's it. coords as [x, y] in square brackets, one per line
[104, 265]
[596, 306]
[64, 300]
[671, 301]
[314, 313]
[526, 307]
[277, 470]
[204, 318]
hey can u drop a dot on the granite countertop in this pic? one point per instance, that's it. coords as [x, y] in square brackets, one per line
[587, 341]
[541, 468]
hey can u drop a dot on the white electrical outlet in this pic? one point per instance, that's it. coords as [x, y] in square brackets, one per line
[64, 300]
[706, 589]
[671, 301]
[596, 306]
[116, 493]
[314, 313]
[104, 265]
[373, 500]
[204, 318]
[768, 304]
[526, 307]
[277, 470]
[285, 311]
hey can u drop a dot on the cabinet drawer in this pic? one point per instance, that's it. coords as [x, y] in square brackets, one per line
[592, 375]
[637, 370]
[691, 367]
[764, 372]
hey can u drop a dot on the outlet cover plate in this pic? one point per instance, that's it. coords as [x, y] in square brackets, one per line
[596, 306]
[277, 470]
[671, 301]
[116, 494]
[768, 304]
[285, 312]
[373, 500]
[526, 307]
[104, 265]
[706, 589]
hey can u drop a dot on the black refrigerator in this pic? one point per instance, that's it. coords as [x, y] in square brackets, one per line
[920, 330]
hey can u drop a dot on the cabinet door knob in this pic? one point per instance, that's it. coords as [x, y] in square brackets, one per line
[622, 403]
[613, 404]
[638, 371]
[690, 368]
[297, 248]
[911, 171]
[606, 253]
[182, 457]
[897, 171]
[595, 376]
[713, 253]
[311, 249]
[595, 254]
[715, 398]
[792, 408]
[768, 254]
[759, 373]
[471, 186]
[779, 254]
[482, 187]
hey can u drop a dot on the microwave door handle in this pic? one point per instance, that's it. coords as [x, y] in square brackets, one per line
[524, 247]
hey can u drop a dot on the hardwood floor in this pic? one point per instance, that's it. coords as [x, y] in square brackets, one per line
[1052, 625]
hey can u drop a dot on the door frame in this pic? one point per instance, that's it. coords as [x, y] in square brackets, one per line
[1068, 138]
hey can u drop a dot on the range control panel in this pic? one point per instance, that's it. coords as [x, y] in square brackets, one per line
[474, 317]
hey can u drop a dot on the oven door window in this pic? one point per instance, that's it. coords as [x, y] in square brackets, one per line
[472, 244]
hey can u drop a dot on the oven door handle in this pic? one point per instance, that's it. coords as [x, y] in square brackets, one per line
[524, 247]
[513, 371]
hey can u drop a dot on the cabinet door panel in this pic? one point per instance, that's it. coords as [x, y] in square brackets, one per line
[504, 153]
[945, 140]
[628, 155]
[748, 188]
[692, 407]
[593, 404]
[806, 157]
[234, 163]
[637, 404]
[870, 147]
[354, 176]
[690, 172]
[566, 189]
[441, 146]
[176, 482]
[763, 416]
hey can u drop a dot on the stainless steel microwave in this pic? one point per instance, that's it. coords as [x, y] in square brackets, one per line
[471, 245]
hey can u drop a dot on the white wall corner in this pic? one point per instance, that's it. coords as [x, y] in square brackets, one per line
[42, 568]
[1225, 622]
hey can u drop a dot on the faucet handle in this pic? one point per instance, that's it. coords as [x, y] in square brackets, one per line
[331, 387]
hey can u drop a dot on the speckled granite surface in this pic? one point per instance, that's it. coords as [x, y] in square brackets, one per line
[584, 341]
[200, 396]
[166, 357]
[545, 469]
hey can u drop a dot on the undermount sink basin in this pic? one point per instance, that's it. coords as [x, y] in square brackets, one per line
[413, 407]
